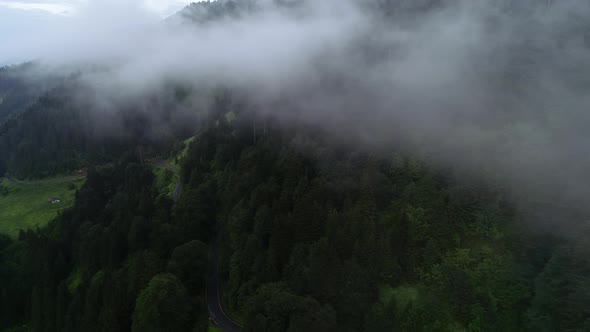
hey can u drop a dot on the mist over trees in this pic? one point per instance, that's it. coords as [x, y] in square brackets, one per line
[316, 236]
[380, 165]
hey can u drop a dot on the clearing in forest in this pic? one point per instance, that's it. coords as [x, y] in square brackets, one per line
[30, 204]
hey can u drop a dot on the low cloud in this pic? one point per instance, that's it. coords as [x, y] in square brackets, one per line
[49, 7]
[495, 88]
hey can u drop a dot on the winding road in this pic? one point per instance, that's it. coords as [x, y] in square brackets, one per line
[216, 312]
[218, 316]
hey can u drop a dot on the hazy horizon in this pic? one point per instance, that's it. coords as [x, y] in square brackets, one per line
[491, 88]
[25, 23]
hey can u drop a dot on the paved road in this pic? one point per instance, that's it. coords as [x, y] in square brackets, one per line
[216, 312]
[177, 191]
[163, 164]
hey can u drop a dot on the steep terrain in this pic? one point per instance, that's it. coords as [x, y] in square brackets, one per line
[204, 200]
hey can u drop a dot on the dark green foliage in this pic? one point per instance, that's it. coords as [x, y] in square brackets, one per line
[315, 237]
[384, 243]
[163, 306]
[562, 291]
[203, 12]
[19, 87]
[189, 262]
[87, 269]
[4, 191]
[275, 308]
[57, 133]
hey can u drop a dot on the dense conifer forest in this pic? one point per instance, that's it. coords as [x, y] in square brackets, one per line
[316, 236]
[301, 229]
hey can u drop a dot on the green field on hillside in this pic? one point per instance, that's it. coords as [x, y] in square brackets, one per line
[167, 180]
[176, 160]
[25, 205]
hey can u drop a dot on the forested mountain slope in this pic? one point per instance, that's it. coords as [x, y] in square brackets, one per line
[19, 87]
[317, 236]
[61, 131]
[320, 230]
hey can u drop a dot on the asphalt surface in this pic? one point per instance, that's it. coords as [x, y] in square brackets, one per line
[219, 317]
[177, 191]
[161, 163]
[216, 313]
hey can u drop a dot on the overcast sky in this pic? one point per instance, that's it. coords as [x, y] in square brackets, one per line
[478, 85]
[26, 23]
[24, 8]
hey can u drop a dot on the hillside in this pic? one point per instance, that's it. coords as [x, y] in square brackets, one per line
[25, 205]
[315, 166]
[58, 133]
[19, 88]
[300, 224]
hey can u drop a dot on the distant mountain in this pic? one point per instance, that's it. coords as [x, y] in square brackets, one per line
[290, 227]
[208, 11]
[17, 91]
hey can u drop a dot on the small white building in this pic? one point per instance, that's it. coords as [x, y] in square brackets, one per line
[54, 200]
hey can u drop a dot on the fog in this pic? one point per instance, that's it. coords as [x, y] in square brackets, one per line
[493, 88]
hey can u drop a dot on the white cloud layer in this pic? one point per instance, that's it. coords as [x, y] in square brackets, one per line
[34, 29]
[59, 8]
[486, 86]
[69, 7]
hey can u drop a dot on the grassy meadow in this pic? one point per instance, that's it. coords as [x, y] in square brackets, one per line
[24, 204]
